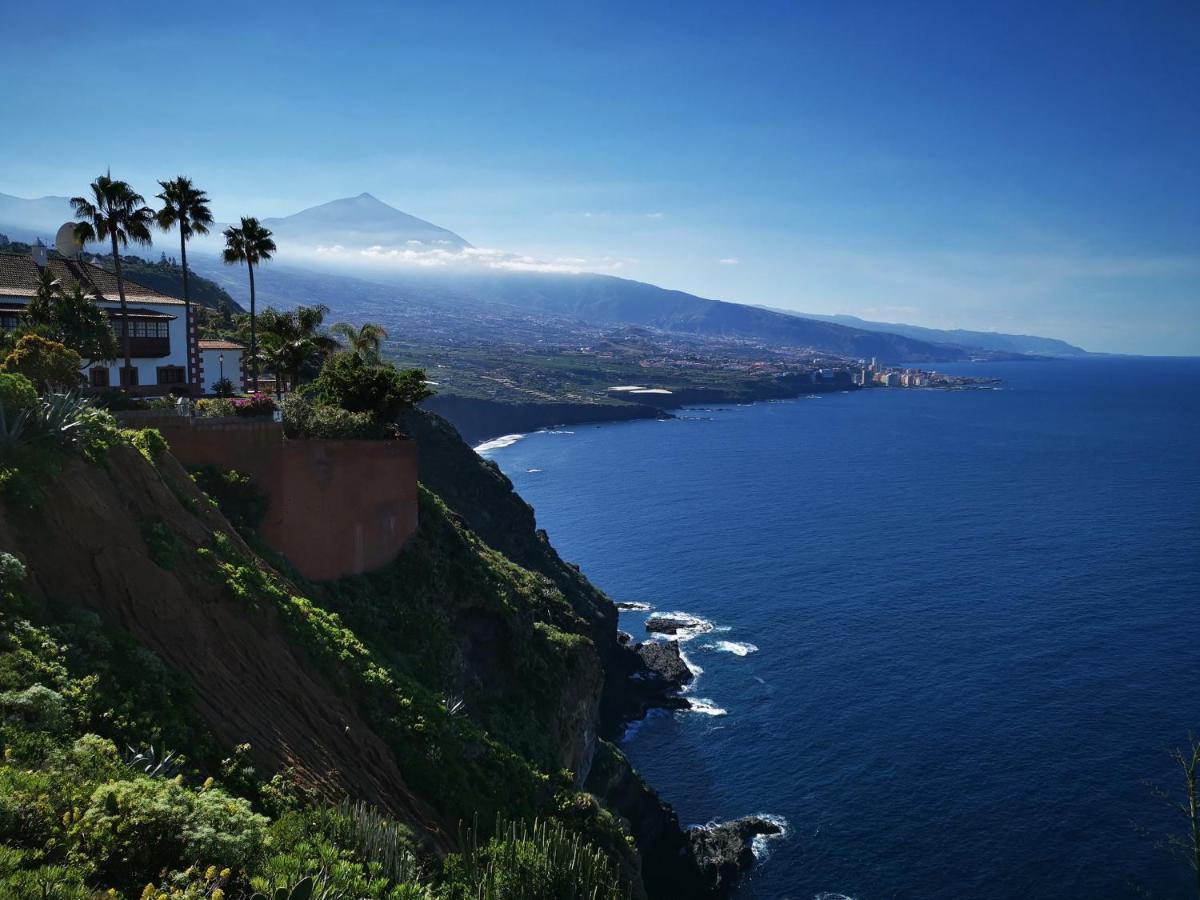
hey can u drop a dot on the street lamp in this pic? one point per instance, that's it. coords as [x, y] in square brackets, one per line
[221, 360]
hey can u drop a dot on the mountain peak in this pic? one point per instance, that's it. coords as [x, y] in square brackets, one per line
[360, 222]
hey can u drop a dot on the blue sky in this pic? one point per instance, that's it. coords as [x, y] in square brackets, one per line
[1021, 167]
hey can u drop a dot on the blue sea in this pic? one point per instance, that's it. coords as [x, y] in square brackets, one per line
[954, 634]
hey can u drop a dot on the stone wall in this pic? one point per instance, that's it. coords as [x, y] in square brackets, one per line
[336, 507]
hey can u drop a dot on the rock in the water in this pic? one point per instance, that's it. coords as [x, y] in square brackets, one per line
[663, 659]
[723, 851]
[677, 623]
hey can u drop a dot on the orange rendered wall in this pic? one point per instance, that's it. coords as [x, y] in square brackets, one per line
[336, 507]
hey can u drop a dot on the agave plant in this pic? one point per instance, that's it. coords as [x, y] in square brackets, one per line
[151, 764]
[62, 417]
[13, 427]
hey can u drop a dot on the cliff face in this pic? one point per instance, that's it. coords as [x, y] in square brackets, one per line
[482, 495]
[470, 679]
[121, 541]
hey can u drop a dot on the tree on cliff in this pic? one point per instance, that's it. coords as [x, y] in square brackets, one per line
[119, 214]
[250, 243]
[184, 206]
[382, 390]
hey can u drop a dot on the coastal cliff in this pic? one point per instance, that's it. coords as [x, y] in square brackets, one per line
[470, 682]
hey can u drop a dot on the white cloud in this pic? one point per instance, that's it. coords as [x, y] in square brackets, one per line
[418, 254]
[654, 215]
[729, 261]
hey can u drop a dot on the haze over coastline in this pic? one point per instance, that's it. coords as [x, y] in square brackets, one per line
[896, 166]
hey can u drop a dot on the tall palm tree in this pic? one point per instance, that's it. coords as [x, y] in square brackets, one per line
[249, 243]
[185, 206]
[118, 213]
[365, 342]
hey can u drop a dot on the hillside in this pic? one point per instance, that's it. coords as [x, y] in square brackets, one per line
[995, 341]
[167, 277]
[453, 686]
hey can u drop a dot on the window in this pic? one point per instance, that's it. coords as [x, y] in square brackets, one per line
[99, 377]
[9, 320]
[129, 376]
[170, 375]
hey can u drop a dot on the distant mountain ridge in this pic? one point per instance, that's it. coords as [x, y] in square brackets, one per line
[997, 341]
[331, 236]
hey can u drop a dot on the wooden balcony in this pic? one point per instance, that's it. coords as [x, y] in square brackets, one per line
[145, 347]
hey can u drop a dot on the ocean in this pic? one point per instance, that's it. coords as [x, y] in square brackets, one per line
[954, 633]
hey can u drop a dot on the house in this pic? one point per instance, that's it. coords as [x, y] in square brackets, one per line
[158, 340]
[221, 359]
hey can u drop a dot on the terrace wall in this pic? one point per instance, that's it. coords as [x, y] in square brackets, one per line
[336, 507]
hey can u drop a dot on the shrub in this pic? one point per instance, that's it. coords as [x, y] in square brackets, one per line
[254, 405]
[45, 363]
[116, 399]
[380, 390]
[214, 407]
[161, 544]
[12, 572]
[37, 707]
[17, 392]
[149, 442]
[304, 419]
[223, 387]
[145, 825]
[238, 498]
[544, 861]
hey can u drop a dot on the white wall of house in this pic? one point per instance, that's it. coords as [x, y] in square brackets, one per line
[148, 366]
[210, 362]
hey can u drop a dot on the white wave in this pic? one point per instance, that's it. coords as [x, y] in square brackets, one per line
[692, 667]
[825, 895]
[633, 606]
[703, 705]
[737, 648]
[531, 471]
[689, 626]
[556, 431]
[498, 443]
[760, 843]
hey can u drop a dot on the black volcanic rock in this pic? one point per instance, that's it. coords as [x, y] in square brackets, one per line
[664, 660]
[666, 623]
[723, 851]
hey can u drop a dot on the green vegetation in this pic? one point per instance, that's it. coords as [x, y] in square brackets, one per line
[71, 318]
[46, 363]
[243, 504]
[471, 670]
[35, 439]
[293, 347]
[166, 276]
[304, 419]
[381, 391]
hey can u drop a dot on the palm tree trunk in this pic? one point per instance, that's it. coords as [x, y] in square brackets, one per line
[124, 308]
[187, 310]
[253, 333]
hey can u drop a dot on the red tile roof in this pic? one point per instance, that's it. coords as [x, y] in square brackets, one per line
[220, 345]
[18, 278]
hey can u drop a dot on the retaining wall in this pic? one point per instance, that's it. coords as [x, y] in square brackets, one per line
[335, 507]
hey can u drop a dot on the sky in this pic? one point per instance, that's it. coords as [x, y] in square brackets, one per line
[1029, 167]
